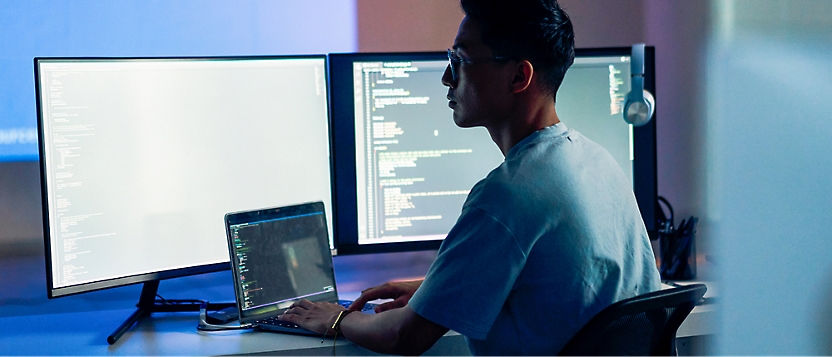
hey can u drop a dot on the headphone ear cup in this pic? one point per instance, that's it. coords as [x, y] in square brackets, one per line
[639, 112]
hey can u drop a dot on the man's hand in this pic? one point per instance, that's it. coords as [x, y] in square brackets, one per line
[313, 316]
[400, 291]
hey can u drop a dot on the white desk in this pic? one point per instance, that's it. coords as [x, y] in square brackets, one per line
[702, 320]
[78, 325]
[30, 324]
[84, 333]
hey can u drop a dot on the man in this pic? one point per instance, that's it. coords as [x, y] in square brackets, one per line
[544, 242]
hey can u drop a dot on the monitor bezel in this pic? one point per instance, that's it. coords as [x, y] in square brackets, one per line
[343, 128]
[54, 292]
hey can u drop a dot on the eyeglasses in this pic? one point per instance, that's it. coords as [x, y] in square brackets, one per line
[454, 61]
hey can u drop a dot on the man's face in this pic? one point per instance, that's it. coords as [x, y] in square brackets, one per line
[480, 95]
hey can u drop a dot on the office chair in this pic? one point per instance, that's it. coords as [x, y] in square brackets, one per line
[639, 326]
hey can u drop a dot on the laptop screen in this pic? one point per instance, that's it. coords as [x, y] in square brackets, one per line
[280, 255]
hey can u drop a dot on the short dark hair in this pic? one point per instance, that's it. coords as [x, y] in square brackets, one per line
[535, 30]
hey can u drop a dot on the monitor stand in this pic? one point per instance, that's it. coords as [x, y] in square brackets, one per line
[148, 304]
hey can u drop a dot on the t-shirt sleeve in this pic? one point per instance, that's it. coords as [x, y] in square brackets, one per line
[472, 275]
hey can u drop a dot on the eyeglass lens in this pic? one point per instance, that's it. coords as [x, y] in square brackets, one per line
[452, 62]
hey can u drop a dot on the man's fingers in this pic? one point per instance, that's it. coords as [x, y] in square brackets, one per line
[357, 305]
[287, 316]
[374, 293]
[306, 304]
[401, 291]
[390, 305]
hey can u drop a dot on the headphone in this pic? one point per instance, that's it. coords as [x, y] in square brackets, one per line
[638, 110]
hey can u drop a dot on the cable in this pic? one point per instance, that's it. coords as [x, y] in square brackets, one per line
[205, 326]
[667, 222]
[162, 301]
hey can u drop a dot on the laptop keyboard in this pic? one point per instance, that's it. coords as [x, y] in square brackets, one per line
[275, 322]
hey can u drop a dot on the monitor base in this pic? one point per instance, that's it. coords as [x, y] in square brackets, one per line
[148, 304]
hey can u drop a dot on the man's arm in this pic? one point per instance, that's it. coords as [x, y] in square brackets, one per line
[398, 331]
[395, 331]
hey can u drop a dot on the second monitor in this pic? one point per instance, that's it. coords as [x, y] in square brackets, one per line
[403, 169]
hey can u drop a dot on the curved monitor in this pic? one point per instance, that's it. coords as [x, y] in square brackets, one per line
[142, 157]
[403, 169]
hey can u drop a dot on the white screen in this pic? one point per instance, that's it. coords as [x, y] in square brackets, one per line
[143, 158]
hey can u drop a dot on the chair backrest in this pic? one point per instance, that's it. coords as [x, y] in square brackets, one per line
[639, 326]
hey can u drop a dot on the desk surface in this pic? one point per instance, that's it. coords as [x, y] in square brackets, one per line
[30, 324]
[84, 333]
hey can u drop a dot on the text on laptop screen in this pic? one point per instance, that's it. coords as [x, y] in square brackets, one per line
[281, 260]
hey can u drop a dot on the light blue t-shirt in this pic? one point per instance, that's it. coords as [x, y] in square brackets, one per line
[548, 239]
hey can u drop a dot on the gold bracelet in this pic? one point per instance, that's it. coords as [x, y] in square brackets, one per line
[337, 324]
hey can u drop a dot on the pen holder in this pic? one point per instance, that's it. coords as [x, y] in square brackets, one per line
[678, 252]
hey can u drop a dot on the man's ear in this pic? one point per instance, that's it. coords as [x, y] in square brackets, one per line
[523, 73]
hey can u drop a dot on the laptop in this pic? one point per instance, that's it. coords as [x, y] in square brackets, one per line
[278, 256]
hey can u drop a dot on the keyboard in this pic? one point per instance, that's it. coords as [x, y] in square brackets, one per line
[273, 321]
[273, 324]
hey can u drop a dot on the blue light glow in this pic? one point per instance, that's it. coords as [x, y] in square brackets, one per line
[141, 28]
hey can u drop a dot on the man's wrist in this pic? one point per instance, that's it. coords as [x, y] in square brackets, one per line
[336, 325]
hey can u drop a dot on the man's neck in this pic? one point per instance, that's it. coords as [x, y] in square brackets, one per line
[526, 119]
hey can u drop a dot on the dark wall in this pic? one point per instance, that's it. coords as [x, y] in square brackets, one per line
[21, 228]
